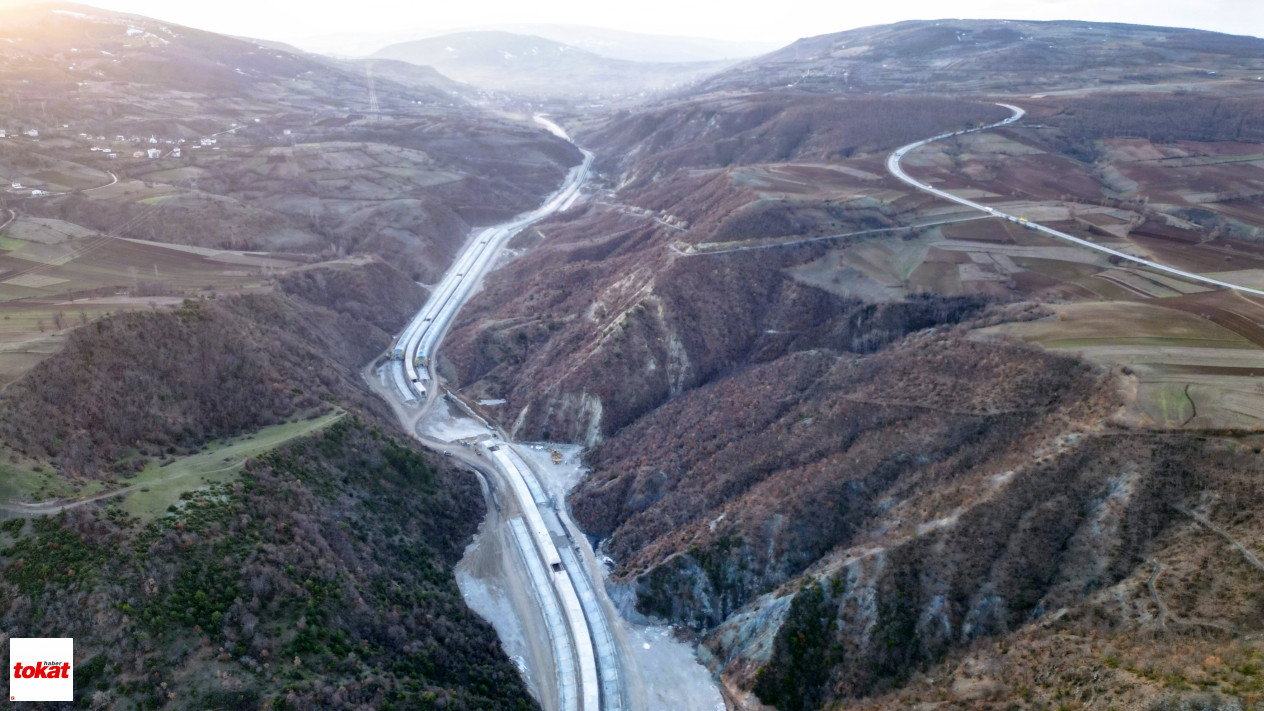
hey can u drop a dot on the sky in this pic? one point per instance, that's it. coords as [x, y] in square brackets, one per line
[782, 21]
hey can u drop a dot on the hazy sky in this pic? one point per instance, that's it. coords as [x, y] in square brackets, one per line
[780, 21]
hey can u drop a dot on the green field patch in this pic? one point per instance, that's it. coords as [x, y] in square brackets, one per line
[9, 244]
[22, 482]
[1166, 403]
[157, 486]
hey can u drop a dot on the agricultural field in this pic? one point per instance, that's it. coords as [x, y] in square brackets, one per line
[1191, 354]
[1183, 368]
[55, 276]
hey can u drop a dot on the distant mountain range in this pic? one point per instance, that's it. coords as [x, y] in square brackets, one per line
[528, 64]
[73, 55]
[638, 47]
[613, 44]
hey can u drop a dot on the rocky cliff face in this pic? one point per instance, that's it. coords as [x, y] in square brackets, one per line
[731, 490]
[613, 313]
[1068, 545]
[836, 527]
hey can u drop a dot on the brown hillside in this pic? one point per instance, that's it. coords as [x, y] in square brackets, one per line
[144, 385]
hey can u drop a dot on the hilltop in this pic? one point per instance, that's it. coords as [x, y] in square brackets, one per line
[978, 56]
[158, 162]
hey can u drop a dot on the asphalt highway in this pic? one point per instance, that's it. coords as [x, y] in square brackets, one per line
[587, 666]
[893, 166]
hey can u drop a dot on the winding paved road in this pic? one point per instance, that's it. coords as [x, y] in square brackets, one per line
[589, 669]
[893, 165]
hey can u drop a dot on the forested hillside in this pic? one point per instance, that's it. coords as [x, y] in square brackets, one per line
[147, 385]
[320, 578]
